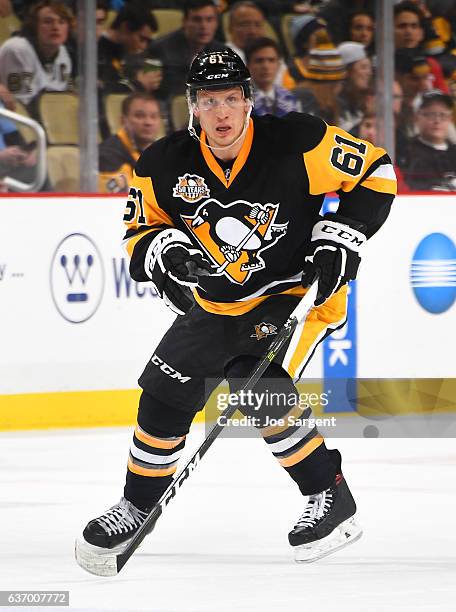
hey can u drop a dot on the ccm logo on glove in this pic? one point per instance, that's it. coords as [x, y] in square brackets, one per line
[356, 239]
[334, 254]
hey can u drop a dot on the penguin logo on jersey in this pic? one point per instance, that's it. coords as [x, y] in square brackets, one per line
[234, 235]
[262, 330]
[191, 188]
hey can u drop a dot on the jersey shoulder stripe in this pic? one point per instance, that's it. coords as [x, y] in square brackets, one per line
[340, 162]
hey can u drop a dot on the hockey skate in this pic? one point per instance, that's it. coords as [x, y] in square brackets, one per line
[327, 523]
[108, 535]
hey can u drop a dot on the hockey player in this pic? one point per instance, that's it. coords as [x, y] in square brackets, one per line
[231, 209]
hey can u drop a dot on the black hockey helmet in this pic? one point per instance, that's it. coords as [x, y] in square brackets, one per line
[217, 70]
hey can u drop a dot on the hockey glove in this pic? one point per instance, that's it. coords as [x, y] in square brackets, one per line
[334, 256]
[172, 264]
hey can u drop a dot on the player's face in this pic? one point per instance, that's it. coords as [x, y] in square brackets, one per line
[362, 29]
[52, 29]
[361, 73]
[222, 115]
[433, 122]
[263, 66]
[247, 23]
[408, 32]
[143, 121]
[200, 25]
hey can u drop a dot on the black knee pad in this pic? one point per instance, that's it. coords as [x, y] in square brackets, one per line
[158, 419]
[275, 386]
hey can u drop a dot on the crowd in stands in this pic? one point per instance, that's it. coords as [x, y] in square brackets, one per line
[317, 57]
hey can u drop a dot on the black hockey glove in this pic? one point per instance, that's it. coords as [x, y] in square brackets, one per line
[172, 264]
[334, 256]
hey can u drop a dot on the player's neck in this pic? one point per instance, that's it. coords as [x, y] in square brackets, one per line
[228, 153]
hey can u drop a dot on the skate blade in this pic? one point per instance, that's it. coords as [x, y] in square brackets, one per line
[346, 533]
[96, 560]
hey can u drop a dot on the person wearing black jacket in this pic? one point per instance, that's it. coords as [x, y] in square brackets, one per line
[432, 158]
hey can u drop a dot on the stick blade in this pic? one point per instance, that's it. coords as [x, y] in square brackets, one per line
[102, 563]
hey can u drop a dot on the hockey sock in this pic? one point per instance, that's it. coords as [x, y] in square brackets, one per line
[289, 433]
[158, 442]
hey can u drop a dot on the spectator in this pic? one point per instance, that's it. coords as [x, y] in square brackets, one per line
[177, 49]
[432, 159]
[401, 139]
[352, 98]
[141, 124]
[245, 24]
[366, 129]
[141, 73]
[5, 8]
[409, 33]
[414, 76]
[361, 28]
[303, 31]
[337, 14]
[322, 73]
[38, 60]
[408, 26]
[130, 33]
[101, 16]
[263, 61]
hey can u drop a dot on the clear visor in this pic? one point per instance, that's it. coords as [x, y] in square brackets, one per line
[208, 100]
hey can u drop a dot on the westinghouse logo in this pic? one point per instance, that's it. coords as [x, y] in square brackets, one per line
[433, 273]
[77, 278]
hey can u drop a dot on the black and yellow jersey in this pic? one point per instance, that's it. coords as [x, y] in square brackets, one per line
[255, 225]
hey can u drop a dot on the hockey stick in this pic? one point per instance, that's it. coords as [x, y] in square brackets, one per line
[111, 564]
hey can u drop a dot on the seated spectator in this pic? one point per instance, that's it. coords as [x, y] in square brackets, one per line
[322, 74]
[432, 159]
[352, 98]
[263, 61]
[413, 30]
[141, 124]
[414, 76]
[177, 49]
[5, 8]
[130, 33]
[361, 29]
[303, 31]
[337, 15]
[245, 23]
[141, 73]
[101, 17]
[38, 60]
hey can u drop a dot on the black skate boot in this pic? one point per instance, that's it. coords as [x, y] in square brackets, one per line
[108, 534]
[327, 523]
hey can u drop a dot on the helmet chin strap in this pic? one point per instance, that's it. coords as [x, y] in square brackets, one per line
[193, 134]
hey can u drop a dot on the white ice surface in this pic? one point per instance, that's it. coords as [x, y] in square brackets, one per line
[222, 544]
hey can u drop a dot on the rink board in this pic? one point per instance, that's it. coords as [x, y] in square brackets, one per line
[76, 331]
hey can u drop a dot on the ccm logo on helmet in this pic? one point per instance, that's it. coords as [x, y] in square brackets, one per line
[168, 370]
[342, 234]
[217, 76]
